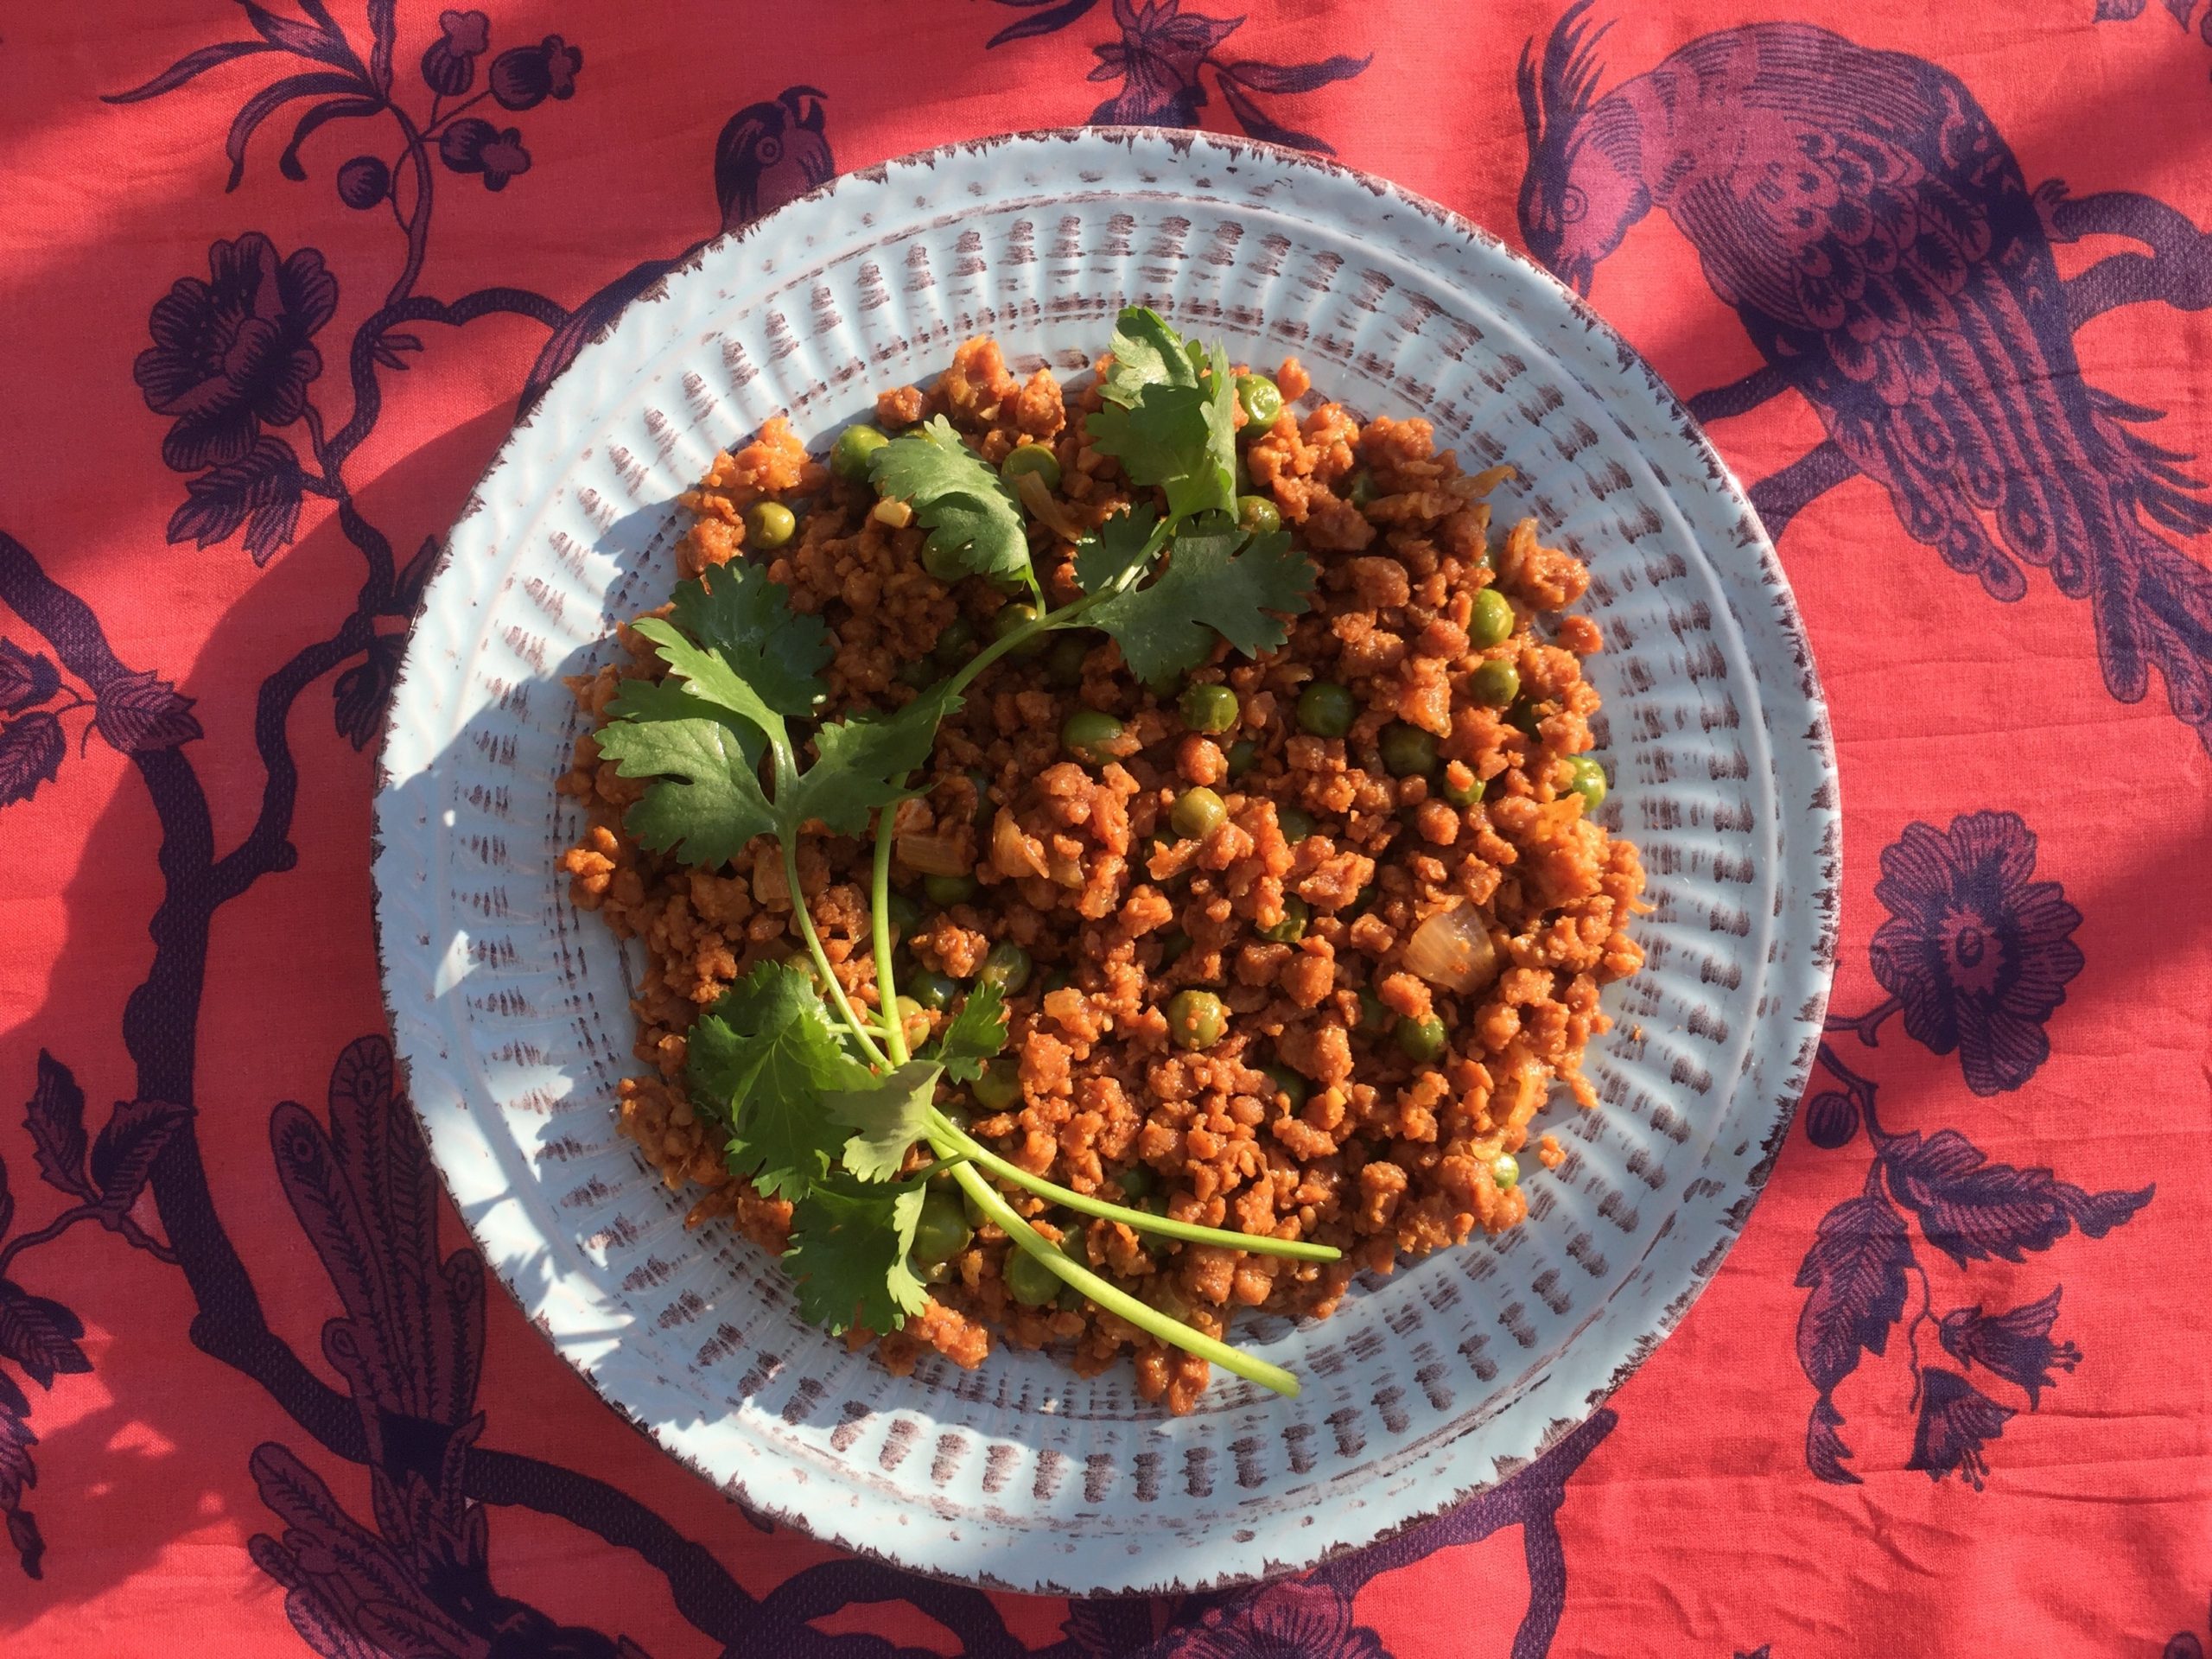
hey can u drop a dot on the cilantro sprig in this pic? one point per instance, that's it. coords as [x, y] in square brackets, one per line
[825, 1103]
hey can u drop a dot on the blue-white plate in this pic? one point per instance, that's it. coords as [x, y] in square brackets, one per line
[511, 1008]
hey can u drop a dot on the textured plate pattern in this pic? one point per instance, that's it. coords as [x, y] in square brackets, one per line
[509, 1008]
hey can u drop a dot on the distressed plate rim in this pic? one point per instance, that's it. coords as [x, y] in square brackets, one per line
[1824, 812]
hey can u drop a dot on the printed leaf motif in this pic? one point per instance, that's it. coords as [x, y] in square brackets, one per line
[132, 1138]
[1956, 1421]
[1855, 1271]
[362, 693]
[55, 1118]
[1973, 1210]
[336, 109]
[39, 1335]
[1825, 1450]
[265, 482]
[138, 713]
[1045, 22]
[272, 97]
[31, 748]
[7, 1203]
[191, 64]
[26, 679]
[1295, 77]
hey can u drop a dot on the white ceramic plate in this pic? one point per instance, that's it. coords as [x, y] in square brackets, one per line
[510, 1009]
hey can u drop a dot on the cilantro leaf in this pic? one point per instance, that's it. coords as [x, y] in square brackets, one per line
[889, 1112]
[848, 1257]
[1147, 351]
[708, 802]
[1217, 581]
[745, 615]
[672, 699]
[1117, 546]
[969, 511]
[765, 1055]
[708, 674]
[1162, 422]
[973, 1035]
[860, 760]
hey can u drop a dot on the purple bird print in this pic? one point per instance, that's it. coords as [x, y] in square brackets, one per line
[1874, 233]
[769, 153]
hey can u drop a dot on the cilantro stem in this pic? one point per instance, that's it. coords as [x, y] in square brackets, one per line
[943, 1129]
[860, 1027]
[1119, 1303]
[894, 1031]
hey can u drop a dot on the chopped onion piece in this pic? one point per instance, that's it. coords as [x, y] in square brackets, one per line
[1452, 949]
[1050, 514]
[933, 854]
[1014, 854]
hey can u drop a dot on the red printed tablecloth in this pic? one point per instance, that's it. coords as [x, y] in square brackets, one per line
[276, 279]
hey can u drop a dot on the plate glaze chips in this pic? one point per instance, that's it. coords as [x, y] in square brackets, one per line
[509, 1008]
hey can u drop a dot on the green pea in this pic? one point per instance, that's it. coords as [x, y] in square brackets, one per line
[1210, 709]
[1197, 1018]
[1137, 1183]
[1458, 793]
[1289, 1084]
[1362, 491]
[934, 990]
[1075, 1244]
[1089, 734]
[1172, 945]
[944, 561]
[1492, 621]
[904, 912]
[912, 1021]
[1364, 897]
[998, 1088]
[1295, 823]
[1522, 717]
[1292, 928]
[1031, 458]
[769, 524]
[1496, 683]
[985, 807]
[946, 890]
[1011, 619]
[1063, 662]
[1588, 782]
[1258, 515]
[1028, 1279]
[919, 674]
[941, 1232]
[1420, 1039]
[1375, 1014]
[1007, 967]
[1505, 1172]
[1198, 812]
[803, 962]
[856, 448]
[955, 642]
[1326, 710]
[1058, 980]
[1262, 397]
[1408, 751]
[1242, 753]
